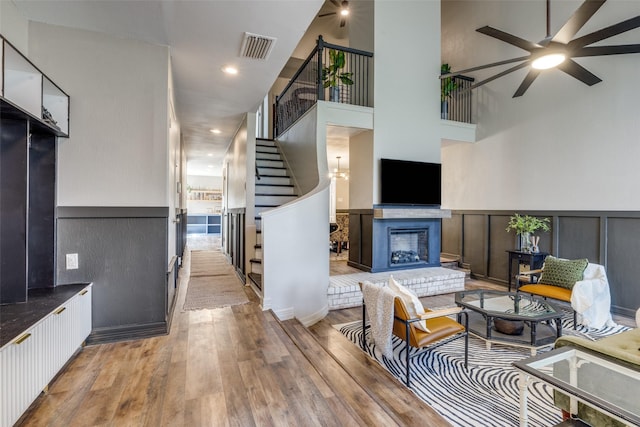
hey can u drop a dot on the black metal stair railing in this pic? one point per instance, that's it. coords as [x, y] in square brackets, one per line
[330, 72]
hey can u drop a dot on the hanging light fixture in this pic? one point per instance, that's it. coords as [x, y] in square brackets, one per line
[337, 173]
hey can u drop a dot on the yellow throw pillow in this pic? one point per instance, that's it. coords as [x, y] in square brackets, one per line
[414, 306]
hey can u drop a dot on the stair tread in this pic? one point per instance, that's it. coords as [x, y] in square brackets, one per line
[267, 206]
[274, 185]
[255, 260]
[256, 278]
[279, 195]
[382, 400]
[274, 176]
[258, 246]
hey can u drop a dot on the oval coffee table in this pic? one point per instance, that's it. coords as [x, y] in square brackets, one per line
[487, 305]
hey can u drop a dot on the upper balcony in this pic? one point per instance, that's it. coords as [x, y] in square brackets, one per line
[456, 101]
[341, 74]
[331, 72]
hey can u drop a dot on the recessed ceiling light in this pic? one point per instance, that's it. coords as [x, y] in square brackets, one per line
[210, 154]
[230, 70]
[216, 131]
[209, 166]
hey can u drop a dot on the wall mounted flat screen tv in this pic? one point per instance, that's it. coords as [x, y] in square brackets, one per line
[405, 182]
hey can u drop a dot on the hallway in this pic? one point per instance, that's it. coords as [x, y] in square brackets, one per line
[229, 366]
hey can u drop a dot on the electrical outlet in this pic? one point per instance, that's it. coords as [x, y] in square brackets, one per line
[72, 261]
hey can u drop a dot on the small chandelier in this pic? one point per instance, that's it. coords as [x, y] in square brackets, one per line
[337, 173]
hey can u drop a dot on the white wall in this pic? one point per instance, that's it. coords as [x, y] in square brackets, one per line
[407, 64]
[205, 182]
[175, 173]
[342, 193]
[300, 149]
[117, 152]
[14, 27]
[236, 166]
[361, 171]
[561, 146]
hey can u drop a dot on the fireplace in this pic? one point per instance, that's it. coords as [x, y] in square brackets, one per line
[408, 246]
[390, 238]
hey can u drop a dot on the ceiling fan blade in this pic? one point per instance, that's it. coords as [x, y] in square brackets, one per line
[579, 72]
[504, 73]
[322, 15]
[607, 50]
[482, 67]
[605, 33]
[336, 3]
[343, 21]
[529, 78]
[577, 20]
[509, 38]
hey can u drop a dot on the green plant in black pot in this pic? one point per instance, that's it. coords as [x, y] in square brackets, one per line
[447, 86]
[525, 226]
[333, 75]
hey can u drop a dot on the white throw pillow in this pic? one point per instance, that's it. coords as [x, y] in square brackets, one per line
[414, 306]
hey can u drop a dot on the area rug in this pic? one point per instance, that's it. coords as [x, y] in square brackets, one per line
[212, 282]
[484, 394]
[209, 263]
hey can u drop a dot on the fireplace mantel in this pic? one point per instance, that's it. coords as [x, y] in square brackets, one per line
[410, 213]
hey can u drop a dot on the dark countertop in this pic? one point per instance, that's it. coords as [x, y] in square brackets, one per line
[16, 318]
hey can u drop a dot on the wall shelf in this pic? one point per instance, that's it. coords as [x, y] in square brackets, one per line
[210, 195]
[28, 94]
[203, 224]
[33, 113]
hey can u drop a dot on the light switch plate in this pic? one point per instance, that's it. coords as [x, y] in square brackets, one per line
[72, 261]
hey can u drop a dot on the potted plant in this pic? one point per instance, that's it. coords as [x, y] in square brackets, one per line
[524, 226]
[447, 86]
[334, 75]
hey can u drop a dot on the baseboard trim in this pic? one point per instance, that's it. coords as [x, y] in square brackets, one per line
[284, 314]
[314, 317]
[129, 332]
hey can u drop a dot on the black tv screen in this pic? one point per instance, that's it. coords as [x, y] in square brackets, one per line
[405, 182]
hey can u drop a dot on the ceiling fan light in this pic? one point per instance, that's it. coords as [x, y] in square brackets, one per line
[548, 61]
[344, 12]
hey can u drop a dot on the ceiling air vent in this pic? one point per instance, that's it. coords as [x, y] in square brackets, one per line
[256, 47]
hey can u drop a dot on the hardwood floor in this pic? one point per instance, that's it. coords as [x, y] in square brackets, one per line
[233, 366]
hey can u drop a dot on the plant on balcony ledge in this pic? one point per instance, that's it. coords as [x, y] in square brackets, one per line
[447, 86]
[333, 74]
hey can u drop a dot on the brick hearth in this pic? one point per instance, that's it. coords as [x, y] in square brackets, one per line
[344, 291]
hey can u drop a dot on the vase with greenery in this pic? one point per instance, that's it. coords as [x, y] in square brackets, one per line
[333, 75]
[447, 86]
[525, 226]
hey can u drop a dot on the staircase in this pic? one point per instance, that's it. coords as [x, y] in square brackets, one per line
[273, 188]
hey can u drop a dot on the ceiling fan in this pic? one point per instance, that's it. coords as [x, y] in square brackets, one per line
[558, 51]
[343, 10]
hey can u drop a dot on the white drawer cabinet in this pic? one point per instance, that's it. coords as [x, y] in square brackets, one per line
[30, 361]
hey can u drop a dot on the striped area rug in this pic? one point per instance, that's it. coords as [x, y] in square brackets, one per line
[486, 393]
